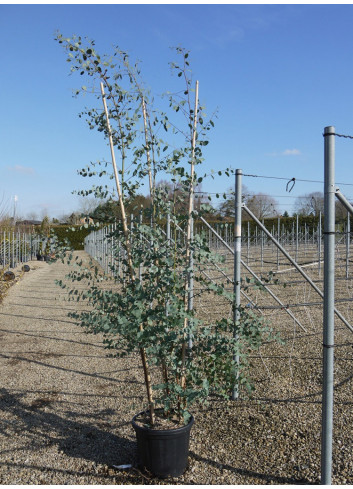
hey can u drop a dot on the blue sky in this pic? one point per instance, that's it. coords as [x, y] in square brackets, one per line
[278, 74]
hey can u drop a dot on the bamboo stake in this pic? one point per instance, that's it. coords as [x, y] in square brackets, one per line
[128, 250]
[189, 253]
[118, 187]
[147, 149]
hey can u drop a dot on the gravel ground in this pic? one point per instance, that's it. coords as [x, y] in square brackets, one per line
[66, 409]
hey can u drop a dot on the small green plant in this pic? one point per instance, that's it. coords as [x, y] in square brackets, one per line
[149, 308]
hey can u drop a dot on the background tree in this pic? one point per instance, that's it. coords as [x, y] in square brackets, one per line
[312, 203]
[341, 211]
[87, 205]
[110, 210]
[32, 216]
[262, 205]
[5, 217]
[227, 207]
[178, 196]
[45, 225]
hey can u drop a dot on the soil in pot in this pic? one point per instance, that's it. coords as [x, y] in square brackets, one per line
[163, 451]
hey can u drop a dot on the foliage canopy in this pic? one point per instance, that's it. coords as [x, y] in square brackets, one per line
[148, 307]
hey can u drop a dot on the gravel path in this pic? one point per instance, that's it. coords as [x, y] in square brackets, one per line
[65, 408]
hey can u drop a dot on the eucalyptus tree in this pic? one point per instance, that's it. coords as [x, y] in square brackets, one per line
[151, 310]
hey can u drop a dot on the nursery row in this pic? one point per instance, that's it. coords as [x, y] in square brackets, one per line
[304, 244]
[20, 247]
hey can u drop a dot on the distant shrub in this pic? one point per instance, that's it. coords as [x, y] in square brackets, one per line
[74, 234]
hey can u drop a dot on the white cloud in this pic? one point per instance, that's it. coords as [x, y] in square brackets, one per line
[286, 152]
[22, 170]
[291, 152]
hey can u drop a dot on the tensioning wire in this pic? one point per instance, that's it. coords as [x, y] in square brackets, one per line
[252, 194]
[293, 179]
[299, 197]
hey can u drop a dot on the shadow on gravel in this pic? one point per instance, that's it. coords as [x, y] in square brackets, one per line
[39, 297]
[36, 317]
[18, 359]
[96, 449]
[266, 478]
[39, 334]
[76, 439]
[55, 308]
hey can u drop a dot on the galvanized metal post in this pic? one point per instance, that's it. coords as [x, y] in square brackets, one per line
[248, 242]
[348, 238]
[13, 250]
[296, 240]
[262, 246]
[237, 264]
[278, 239]
[295, 264]
[256, 277]
[256, 236]
[319, 243]
[329, 304]
[349, 208]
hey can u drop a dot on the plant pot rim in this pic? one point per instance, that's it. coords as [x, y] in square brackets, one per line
[163, 431]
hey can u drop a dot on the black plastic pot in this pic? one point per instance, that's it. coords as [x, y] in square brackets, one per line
[164, 453]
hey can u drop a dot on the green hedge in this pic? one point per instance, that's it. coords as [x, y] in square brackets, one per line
[74, 234]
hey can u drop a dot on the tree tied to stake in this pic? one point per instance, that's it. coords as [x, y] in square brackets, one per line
[145, 302]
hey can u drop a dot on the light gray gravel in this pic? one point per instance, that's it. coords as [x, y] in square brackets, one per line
[65, 408]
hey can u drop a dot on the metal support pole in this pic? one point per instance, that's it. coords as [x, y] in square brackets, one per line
[296, 240]
[237, 265]
[248, 241]
[344, 201]
[258, 279]
[348, 242]
[278, 238]
[13, 265]
[298, 267]
[319, 243]
[329, 304]
[305, 238]
[262, 246]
